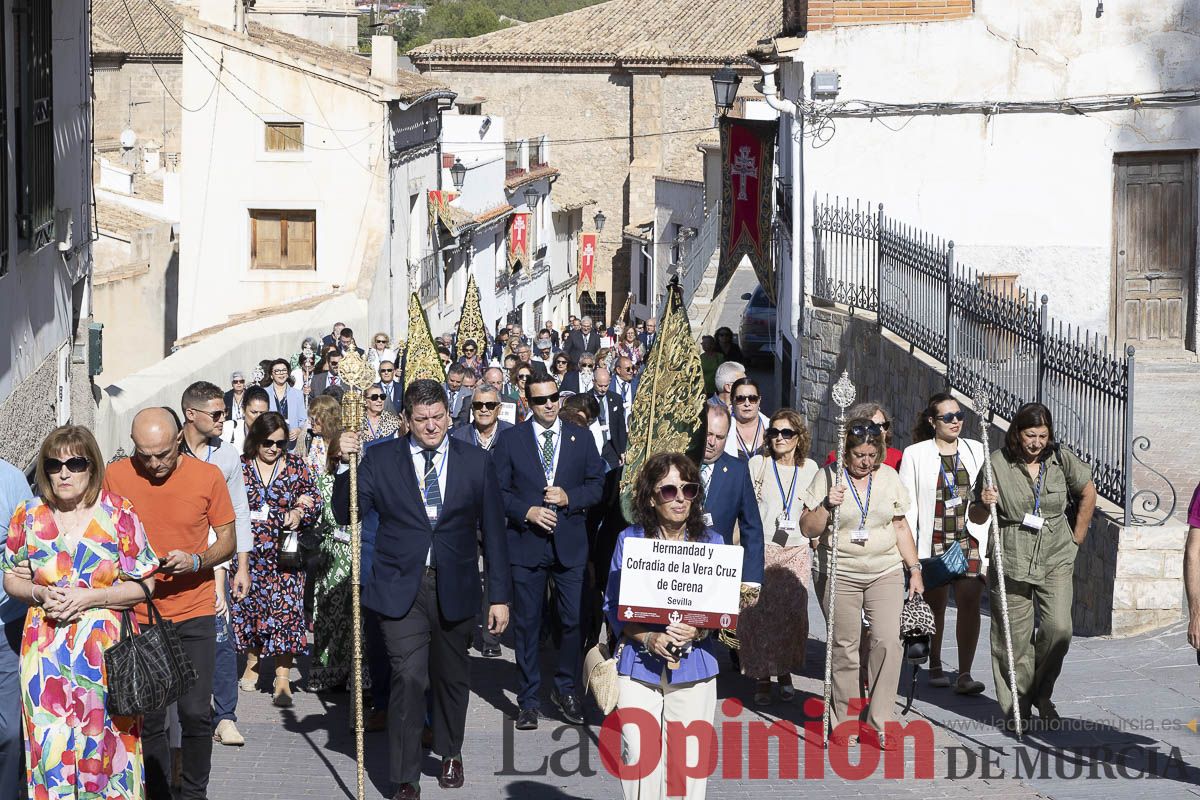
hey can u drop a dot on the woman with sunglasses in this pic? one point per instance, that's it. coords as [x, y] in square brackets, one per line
[86, 550]
[381, 350]
[774, 631]
[559, 367]
[939, 471]
[1035, 481]
[881, 423]
[629, 347]
[514, 392]
[269, 620]
[874, 544]
[749, 423]
[287, 400]
[471, 360]
[379, 422]
[667, 504]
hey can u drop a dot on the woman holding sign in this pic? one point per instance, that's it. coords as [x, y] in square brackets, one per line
[874, 543]
[1035, 481]
[669, 671]
[774, 631]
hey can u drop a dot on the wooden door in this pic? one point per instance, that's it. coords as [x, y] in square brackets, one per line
[1154, 248]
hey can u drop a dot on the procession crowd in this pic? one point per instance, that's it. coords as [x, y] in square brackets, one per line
[490, 504]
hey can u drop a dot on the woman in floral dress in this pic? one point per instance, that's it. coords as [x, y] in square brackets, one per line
[86, 549]
[269, 621]
[332, 618]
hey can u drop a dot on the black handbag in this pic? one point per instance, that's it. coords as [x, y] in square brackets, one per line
[940, 570]
[147, 670]
[298, 548]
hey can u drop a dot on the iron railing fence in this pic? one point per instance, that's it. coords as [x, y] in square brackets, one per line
[985, 330]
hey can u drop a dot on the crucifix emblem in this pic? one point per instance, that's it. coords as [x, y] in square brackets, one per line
[588, 251]
[743, 168]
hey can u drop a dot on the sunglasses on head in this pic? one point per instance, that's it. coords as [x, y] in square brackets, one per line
[955, 416]
[668, 492]
[76, 464]
[783, 433]
[485, 405]
[375, 396]
[746, 398]
[273, 444]
[545, 399]
[870, 431]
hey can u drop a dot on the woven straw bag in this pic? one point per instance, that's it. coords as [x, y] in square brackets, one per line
[600, 675]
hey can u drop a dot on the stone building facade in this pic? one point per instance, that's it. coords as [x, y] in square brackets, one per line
[623, 87]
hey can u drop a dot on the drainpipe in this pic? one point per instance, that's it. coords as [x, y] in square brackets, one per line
[648, 264]
[796, 279]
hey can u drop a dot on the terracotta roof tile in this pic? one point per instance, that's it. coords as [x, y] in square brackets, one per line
[681, 32]
[121, 220]
[535, 173]
[136, 28]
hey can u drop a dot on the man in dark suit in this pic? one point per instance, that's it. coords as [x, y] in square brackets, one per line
[612, 411]
[648, 337]
[584, 340]
[579, 380]
[729, 495]
[432, 495]
[346, 343]
[331, 339]
[323, 380]
[549, 473]
[625, 383]
[393, 390]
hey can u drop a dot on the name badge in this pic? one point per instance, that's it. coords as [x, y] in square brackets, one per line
[707, 519]
[1033, 522]
[785, 523]
[954, 502]
[431, 512]
[259, 514]
[858, 536]
[341, 536]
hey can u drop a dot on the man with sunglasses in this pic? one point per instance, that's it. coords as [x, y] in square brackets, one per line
[613, 414]
[179, 500]
[729, 499]
[625, 384]
[393, 392]
[203, 420]
[329, 377]
[550, 473]
[432, 495]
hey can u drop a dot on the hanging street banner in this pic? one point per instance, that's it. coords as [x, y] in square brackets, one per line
[587, 266]
[438, 201]
[747, 159]
[518, 240]
[696, 583]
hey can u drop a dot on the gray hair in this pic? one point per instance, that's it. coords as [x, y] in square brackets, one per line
[727, 373]
[586, 319]
[486, 388]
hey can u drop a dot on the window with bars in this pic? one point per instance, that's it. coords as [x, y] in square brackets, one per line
[34, 117]
[283, 239]
[284, 137]
[597, 310]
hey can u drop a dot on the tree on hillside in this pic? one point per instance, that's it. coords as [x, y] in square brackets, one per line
[452, 20]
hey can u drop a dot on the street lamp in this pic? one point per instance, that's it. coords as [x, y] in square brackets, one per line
[725, 84]
[458, 173]
[599, 219]
[531, 198]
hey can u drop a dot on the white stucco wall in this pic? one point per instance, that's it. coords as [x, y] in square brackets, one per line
[1023, 193]
[342, 174]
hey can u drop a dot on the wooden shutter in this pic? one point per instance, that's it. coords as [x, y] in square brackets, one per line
[284, 137]
[300, 239]
[266, 240]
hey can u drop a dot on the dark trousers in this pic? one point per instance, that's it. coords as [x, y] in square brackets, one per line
[487, 638]
[529, 590]
[377, 660]
[12, 782]
[225, 674]
[420, 644]
[195, 719]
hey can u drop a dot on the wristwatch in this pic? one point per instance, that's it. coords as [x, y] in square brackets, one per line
[916, 567]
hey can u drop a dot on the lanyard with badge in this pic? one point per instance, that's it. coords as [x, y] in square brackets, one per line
[745, 451]
[786, 522]
[262, 513]
[859, 535]
[1035, 521]
[707, 481]
[548, 466]
[951, 479]
[431, 509]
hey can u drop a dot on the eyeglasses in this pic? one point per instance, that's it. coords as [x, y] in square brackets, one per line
[947, 418]
[524, 376]
[375, 397]
[381, 341]
[870, 431]
[746, 398]
[273, 444]
[280, 371]
[786, 434]
[469, 350]
[485, 405]
[386, 371]
[217, 416]
[668, 492]
[76, 464]
[544, 400]
[241, 380]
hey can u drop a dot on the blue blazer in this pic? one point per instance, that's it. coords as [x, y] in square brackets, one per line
[731, 499]
[580, 473]
[297, 410]
[388, 491]
[466, 433]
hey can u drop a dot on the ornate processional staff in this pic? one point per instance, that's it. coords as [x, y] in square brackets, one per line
[983, 407]
[843, 398]
[357, 376]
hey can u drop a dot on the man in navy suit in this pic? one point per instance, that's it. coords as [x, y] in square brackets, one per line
[650, 336]
[432, 494]
[729, 495]
[393, 390]
[550, 473]
[625, 384]
[613, 417]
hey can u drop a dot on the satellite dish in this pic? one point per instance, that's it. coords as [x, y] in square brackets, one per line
[128, 138]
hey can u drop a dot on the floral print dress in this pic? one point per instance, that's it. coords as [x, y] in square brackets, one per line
[270, 619]
[73, 748]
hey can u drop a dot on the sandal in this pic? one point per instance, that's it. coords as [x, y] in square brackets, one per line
[968, 685]
[762, 693]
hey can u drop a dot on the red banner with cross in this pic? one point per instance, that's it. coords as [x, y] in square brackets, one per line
[747, 158]
[518, 240]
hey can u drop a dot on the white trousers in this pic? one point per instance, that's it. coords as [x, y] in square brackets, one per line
[683, 703]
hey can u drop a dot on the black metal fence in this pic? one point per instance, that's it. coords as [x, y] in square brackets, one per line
[985, 330]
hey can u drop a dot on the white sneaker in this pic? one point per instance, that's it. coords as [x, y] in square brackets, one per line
[228, 734]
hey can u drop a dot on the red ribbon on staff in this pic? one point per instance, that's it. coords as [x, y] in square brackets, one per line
[747, 158]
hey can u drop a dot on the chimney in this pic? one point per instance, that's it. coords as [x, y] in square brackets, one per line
[385, 59]
[795, 17]
[222, 13]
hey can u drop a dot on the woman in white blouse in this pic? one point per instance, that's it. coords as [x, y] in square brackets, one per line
[939, 471]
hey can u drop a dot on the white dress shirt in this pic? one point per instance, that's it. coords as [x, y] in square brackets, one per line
[625, 390]
[539, 440]
[417, 451]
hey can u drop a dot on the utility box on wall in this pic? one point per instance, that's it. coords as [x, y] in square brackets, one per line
[95, 348]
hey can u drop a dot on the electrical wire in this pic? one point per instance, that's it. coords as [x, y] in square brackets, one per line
[1071, 105]
[146, 53]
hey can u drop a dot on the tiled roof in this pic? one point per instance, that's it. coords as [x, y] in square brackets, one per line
[534, 173]
[121, 220]
[663, 32]
[136, 28]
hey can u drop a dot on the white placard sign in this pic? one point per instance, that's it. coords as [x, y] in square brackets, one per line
[696, 583]
[508, 413]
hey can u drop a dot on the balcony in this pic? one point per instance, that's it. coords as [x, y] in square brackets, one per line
[426, 270]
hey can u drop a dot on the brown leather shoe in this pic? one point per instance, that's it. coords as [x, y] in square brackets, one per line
[376, 721]
[408, 791]
[452, 774]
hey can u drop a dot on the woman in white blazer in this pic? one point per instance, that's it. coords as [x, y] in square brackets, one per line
[939, 471]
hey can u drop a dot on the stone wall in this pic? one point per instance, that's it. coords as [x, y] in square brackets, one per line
[153, 109]
[29, 413]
